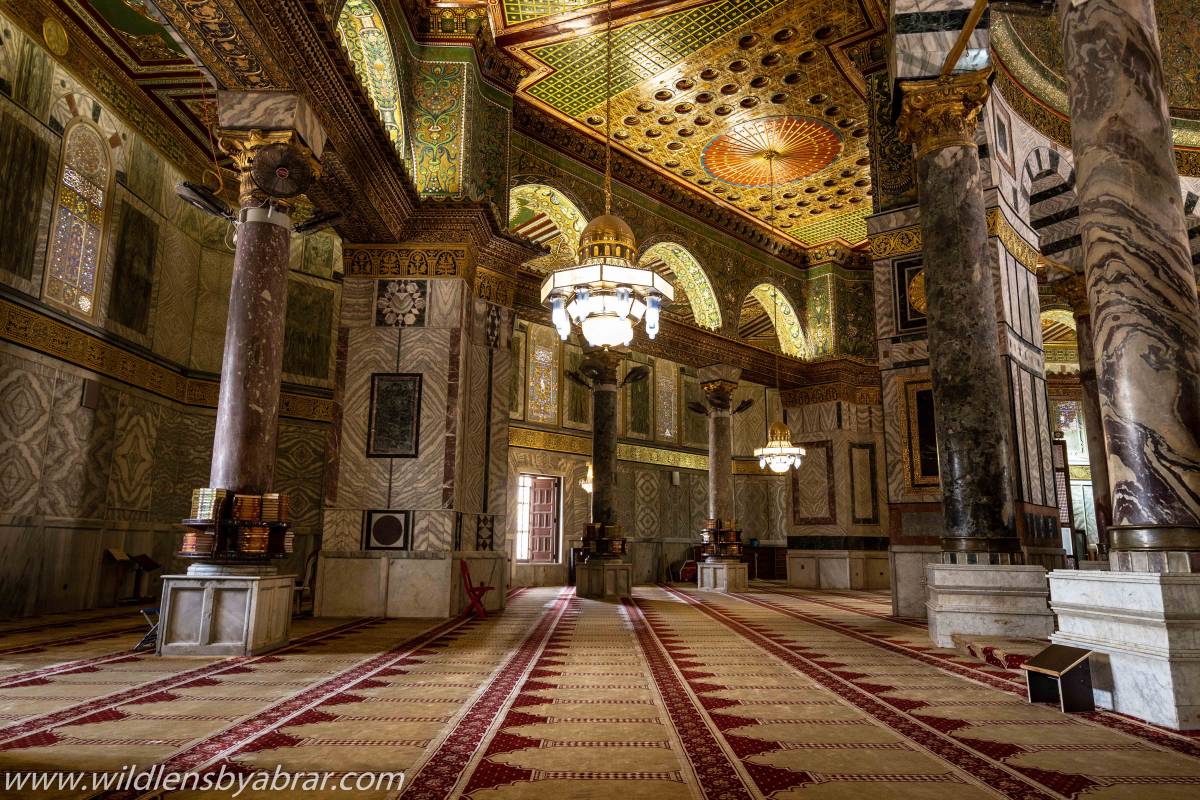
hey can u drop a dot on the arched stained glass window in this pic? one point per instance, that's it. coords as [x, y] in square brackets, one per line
[360, 27]
[78, 231]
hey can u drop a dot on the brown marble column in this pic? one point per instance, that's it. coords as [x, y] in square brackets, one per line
[601, 367]
[719, 383]
[939, 118]
[248, 406]
[1140, 282]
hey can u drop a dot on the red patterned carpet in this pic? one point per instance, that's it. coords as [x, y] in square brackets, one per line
[677, 694]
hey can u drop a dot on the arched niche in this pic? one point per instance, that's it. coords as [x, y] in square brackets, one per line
[546, 216]
[769, 320]
[694, 294]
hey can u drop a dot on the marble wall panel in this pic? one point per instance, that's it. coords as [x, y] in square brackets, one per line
[417, 482]
[309, 349]
[498, 468]
[131, 263]
[646, 499]
[212, 309]
[25, 161]
[78, 451]
[130, 478]
[363, 482]
[813, 489]
[750, 426]
[447, 304]
[178, 276]
[358, 303]
[299, 466]
[752, 506]
[26, 397]
[475, 400]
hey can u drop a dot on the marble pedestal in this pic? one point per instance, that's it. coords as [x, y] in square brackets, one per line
[418, 584]
[837, 569]
[987, 600]
[907, 564]
[608, 580]
[224, 614]
[722, 576]
[1144, 629]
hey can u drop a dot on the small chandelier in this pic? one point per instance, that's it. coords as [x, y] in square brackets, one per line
[586, 483]
[605, 293]
[780, 454]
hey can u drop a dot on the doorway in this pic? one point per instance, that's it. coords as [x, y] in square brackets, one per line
[539, 530]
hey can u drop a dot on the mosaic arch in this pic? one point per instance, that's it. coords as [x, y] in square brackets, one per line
[782, 316]
[546, 216]
[361, 29]
[690, 277]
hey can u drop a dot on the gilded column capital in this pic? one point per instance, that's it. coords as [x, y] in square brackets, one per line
[243, 147]
[943, 112]
[1073, 291]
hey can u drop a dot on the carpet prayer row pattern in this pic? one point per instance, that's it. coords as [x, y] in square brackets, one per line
[676, 694]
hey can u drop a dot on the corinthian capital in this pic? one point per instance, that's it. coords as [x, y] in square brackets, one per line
[943, 112]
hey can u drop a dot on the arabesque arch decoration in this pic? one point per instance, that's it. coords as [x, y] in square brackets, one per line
[362, 32]
[782, 315]
[691, 278]
[546, 216]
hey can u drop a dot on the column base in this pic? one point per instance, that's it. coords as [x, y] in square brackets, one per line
[722, 576]
[987, 600]
[224, 615]
[604, 579]
[907, 564]
[1144, 629]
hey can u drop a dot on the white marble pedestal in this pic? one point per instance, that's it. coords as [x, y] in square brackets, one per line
[425, 584]
[907, 564]
[1144, 629]
[224, 614]
[722, 576]
[987, 600]
[608, 580]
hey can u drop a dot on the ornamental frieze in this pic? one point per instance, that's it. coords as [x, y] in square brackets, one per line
[407, 261]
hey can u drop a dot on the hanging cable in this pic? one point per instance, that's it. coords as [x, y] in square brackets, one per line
[608, 110]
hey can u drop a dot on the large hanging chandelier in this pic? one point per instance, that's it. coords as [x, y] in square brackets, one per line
[780, 454]
[605, 293]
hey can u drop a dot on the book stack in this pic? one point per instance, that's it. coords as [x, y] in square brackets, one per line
[275, 508]
[198, 543]
[208, 503]
[247, 507]
[230, 527]
[253, 540]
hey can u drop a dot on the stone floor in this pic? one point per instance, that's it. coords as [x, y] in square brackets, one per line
[678, 694]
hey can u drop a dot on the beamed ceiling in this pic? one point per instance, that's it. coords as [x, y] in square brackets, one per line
[701, 91]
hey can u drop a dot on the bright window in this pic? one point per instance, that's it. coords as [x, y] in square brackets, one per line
[524, 488]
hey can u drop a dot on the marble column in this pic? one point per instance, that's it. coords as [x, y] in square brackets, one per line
[601, 367]
[939, 117]
[1140, 283]
[719, 384]
[248, 407]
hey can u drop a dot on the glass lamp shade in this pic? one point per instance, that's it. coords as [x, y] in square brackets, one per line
[779, 455]
[607, 330]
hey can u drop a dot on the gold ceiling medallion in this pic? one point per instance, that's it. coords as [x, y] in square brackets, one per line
[786, 147]
[943, 112]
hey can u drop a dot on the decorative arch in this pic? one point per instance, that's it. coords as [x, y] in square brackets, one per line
[775, 311]
[690, 277]
[546, 216]
[81, 210]
[361, 29]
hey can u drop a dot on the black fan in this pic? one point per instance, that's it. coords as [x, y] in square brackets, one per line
[282, 171]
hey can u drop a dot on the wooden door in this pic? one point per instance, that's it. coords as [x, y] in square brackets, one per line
[543, 520]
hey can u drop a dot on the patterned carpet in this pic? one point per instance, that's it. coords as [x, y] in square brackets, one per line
[677, 694]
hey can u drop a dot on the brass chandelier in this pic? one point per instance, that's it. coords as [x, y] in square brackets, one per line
[605, 293]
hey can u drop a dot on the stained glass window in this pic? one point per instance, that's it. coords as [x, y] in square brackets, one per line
[79, 219]
[361, 29]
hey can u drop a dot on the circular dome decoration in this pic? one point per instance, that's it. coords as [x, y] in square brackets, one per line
[801, 145]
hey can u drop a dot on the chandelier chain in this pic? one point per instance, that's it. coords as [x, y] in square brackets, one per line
[608, 109]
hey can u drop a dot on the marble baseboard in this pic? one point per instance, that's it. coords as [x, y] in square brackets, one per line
[607, 580]
[227, 615]
[722, 577]
[907, 564]
[427, 585]
[1144, 631]
[1005, 601]
[838, 569]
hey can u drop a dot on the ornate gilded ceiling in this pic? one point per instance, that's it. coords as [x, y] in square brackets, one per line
[717, 95]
